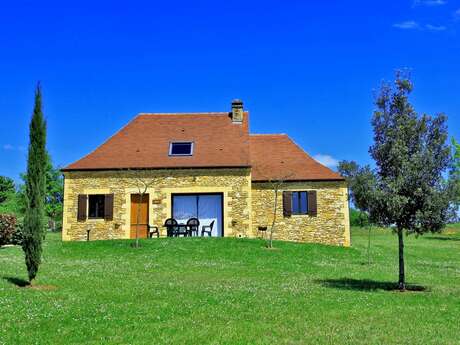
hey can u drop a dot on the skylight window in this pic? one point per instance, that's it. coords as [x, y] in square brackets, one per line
[181, 149]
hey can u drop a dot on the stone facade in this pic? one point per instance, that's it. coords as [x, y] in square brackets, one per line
[246, 205]
[234, 184]
[330, 226]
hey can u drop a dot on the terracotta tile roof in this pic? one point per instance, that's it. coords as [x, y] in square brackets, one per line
[218, 142]
[276, 156]
[144, 143]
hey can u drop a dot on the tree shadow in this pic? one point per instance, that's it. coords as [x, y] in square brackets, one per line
[17, 281]
[367, 285]
[440, 238]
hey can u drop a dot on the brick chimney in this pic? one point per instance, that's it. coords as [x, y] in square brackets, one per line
[237, 111]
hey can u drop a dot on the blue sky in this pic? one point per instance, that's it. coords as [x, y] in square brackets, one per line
[306, 68]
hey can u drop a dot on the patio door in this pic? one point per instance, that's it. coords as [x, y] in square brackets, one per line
[206, 207]
[139, 208]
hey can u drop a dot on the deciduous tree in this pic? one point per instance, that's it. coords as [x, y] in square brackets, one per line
[412, 155]
[361, 184]
[6, 188]
[9, 198]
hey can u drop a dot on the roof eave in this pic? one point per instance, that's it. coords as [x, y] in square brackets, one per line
[303, 180]
[158, 168]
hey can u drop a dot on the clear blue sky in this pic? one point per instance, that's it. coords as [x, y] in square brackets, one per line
[306, 68]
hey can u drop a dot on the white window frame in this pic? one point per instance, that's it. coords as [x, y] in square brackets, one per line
[192, 144]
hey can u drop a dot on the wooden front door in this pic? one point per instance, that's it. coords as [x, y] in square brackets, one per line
[139, 208]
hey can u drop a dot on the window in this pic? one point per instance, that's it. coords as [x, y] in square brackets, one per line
[181, 149]
[96, 206]
[299, 203]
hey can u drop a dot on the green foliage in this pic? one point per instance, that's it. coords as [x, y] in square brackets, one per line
[12, 205]
[9, 203]
[54, 194]
[455, 175]
[456, 146]
[358, 218]
[14, 202]
[6, 188]
[106, 293]
[412, 154]
[361, 183]
[35, 190]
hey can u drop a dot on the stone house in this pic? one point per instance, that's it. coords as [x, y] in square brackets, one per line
[208, 166]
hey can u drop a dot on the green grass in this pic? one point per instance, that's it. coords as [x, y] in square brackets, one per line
[234, 291]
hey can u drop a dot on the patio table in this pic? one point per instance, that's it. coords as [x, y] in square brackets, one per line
[182, 229]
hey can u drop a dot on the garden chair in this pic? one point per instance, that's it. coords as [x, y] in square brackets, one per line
[193, 226]
[171, 227]
[262, 231]
[207, 229]
[153, 230]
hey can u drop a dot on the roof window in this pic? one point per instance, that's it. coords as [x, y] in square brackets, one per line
[182, 148]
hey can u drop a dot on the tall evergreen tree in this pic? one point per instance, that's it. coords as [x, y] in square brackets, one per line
[34, 217]
[54, 194]
[412, 155]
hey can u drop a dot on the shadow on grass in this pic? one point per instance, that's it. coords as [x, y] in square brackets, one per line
[439, 238]
[367, 285]
[17, 281]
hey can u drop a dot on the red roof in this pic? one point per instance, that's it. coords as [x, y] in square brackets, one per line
[144, 143]
[277, 157]
[218, 142]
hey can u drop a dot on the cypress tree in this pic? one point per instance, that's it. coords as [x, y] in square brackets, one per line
[35, 189]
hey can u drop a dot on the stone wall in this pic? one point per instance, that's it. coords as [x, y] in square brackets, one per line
[330, 226]
[234, 184]
[245, 208]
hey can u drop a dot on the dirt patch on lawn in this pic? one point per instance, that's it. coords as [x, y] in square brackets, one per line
[272, 248]
[41, 287]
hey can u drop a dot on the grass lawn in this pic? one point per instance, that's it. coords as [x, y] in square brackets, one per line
[234, 291]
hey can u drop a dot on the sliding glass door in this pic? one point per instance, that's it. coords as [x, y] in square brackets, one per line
[206, 207]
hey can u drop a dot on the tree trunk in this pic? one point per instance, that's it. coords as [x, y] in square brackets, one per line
[369, 245]
[270, 242]
[402, 277]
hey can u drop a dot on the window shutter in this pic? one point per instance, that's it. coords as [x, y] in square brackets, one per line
[312, 203]
[108, 207]
[81, 212]
[287, 204]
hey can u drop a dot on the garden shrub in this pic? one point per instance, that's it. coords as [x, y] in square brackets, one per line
[8, 225]
[18, 234]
